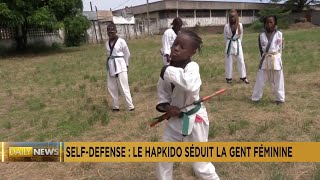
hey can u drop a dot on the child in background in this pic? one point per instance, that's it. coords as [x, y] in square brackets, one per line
[168, 38]
[179, 85]
[270, 66]
[117, 66]
[233, 33]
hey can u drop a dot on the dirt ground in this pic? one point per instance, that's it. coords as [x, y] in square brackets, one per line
[302, 25]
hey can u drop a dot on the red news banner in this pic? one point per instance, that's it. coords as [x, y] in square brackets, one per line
[161, 151]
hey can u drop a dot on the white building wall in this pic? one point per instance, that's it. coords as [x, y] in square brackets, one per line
[247, 20]
[207, 21]
[35, 37]
[193, 22]
[47, 40]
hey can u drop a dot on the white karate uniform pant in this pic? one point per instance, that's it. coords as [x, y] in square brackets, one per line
[204, 170]
[277, 81]
[240, 62]
[114, 83]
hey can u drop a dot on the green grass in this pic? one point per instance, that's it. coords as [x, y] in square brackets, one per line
[213, 131]
[276, 175]
[154, 138]
[62, 96]
[238, 125]
[7, 125]
[35, 104]
[317, 137]
[264, 127]
[316, 175]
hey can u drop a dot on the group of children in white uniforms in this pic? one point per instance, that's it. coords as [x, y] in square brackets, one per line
[179, 82]
[270, 46]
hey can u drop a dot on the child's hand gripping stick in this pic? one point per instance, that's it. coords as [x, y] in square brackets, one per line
[166, 115]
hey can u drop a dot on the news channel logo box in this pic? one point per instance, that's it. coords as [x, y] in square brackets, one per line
[33, 151]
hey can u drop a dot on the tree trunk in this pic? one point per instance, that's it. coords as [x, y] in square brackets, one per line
[301, 5]
[21, 37]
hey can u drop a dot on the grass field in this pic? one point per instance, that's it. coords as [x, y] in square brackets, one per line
[61, 96]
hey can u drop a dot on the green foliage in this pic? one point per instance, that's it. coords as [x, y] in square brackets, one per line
[75, 28]
[297, 5]
[256, 26]
[64, 8]
[45, 14]
[282, 17]
[43, 17]
[9, 18]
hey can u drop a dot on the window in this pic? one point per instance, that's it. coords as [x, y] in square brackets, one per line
[186, 13]
[203, 13]
[247, 13]
[163, 15]
[218, 13]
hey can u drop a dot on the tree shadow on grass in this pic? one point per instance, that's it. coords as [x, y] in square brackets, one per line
[37, 51]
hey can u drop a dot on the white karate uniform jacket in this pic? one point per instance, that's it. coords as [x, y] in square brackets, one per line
[235, 50]
[118, 64]
[272, 59]
[186, 90]
[234, 45]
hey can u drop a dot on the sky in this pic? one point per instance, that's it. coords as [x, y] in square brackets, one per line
[113, 4]
[119, 4]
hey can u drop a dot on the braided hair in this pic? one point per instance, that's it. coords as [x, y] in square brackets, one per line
[196, 39]
[274, 17]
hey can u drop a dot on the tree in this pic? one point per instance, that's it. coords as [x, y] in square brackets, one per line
[281, 13]
[298, 5]
[45, 14]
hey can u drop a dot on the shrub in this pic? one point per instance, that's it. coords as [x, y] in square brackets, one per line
[76, 29]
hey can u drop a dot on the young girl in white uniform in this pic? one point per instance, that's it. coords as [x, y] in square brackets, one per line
[117, 68]
[270, 66]
[233, 33]
[179, 85]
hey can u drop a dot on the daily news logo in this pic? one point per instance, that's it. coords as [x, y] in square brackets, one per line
[32, 152]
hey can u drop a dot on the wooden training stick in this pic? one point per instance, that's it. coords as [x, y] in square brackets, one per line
[166, 115]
